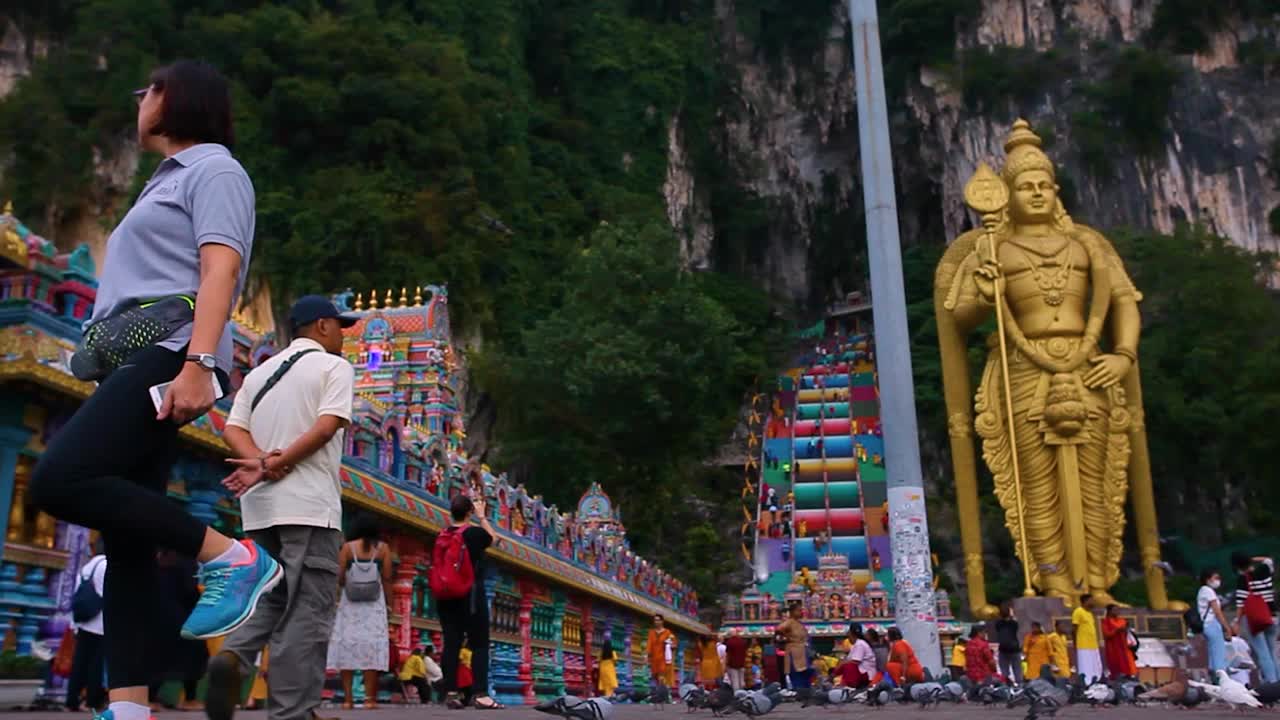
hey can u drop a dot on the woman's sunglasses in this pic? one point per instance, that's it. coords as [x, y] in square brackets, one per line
[141, 93]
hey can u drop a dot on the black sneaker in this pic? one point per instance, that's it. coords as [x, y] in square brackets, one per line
[223, 693]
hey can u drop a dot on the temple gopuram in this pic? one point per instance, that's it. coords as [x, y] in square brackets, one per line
[561, 583]
[814, 502]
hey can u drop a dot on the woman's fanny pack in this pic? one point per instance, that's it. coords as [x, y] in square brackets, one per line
[110, 341]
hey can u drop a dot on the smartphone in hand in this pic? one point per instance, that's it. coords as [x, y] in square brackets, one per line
[158, 391]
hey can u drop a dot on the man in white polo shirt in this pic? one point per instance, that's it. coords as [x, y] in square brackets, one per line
[285, 431]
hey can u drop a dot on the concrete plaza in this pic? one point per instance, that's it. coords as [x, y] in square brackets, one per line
[971, 711]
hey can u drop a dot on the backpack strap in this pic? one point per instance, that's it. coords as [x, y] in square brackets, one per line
[275, 376]
[92, 568]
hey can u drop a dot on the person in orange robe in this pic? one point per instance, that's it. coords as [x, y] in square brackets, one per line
[661, 648]
[710, 670]
[902, 666]
[1119, 657]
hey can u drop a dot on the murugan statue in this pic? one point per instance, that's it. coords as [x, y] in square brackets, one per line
[1059, 407]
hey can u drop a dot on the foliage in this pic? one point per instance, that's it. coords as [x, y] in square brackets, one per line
[388, 140]
[637, 371]
[922, 32]
[1210, 405]
[1273, 169]
[1185, 26]
[1261, 55]
[992, 76]
[1130, 104]
[21, 667]
[776, 27]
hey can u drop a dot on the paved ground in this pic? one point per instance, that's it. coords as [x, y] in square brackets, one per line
[790, 711]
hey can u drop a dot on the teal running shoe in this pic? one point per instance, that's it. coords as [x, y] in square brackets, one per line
[108, 715]
[231, 592]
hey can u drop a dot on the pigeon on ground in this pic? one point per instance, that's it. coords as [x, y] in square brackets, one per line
[1229, 691]
[638, 696]
[879, 695]
[1047, 704]
[575, 708]
[1168, 692]
[1268, 693]
[1132, 690]
[925, 693]
[842, 695]
[811, 696]
[661, 696]
[1099, 694]
[693, 696]
[991, 694]
[1193, 697]
[953, 691]
[720, 699]
[758, 703]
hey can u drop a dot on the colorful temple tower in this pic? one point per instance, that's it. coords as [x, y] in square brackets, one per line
[816, 526]
[560, 583]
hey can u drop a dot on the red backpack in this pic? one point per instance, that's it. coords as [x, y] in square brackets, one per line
[451, 575]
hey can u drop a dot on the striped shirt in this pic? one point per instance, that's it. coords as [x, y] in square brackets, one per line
[1259, 580]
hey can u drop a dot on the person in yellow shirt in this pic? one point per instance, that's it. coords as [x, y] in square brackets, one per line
[1035, 646]
[957, 658]
[1088, 661]
[608, 682]
[414, 672]
[1058, 651]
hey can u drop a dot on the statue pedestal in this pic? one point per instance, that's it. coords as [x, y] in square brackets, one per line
[1164, 627]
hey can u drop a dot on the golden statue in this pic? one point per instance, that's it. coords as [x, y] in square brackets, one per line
[1061, 380]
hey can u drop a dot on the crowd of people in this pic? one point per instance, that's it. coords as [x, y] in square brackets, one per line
[1105, 648]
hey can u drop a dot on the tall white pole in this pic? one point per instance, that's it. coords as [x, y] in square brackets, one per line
[908, 527]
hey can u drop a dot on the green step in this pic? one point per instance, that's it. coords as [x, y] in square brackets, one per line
[815, 495]
[862, 379]
[777, 583]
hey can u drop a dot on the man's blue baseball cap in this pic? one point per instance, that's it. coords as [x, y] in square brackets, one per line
[311, 308]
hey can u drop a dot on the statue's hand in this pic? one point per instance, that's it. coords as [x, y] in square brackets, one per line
[984, 277]
[1107, 371]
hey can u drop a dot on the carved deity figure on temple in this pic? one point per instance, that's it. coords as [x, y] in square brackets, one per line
[1058, 411]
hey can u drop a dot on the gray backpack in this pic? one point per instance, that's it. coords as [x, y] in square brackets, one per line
[364, 579]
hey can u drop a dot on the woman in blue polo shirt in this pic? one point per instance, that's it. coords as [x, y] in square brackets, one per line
[188, 235]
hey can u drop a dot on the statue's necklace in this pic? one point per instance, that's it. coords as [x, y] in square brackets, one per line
[1051, 274]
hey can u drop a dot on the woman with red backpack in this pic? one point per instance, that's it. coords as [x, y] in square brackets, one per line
[457, 584]
[1255, 601]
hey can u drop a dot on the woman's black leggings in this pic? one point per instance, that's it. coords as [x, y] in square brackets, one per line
[108, 469]
[456, 622]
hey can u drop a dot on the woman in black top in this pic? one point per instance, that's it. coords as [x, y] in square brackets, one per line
[1009, 650]
[468, 617]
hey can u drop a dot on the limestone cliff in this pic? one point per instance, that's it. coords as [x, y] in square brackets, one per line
[789, 132]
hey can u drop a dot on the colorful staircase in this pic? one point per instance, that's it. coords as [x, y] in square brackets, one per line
[823, 458]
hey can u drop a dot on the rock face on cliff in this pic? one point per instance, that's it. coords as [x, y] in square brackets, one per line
[788, 129]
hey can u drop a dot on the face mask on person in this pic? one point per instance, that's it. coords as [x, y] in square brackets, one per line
[1215, 583]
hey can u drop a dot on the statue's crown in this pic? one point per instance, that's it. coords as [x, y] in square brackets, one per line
[1023, 153]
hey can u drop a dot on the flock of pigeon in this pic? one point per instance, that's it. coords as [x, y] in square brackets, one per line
[1043, 696]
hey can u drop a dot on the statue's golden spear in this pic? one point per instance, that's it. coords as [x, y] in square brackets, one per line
[988, 195]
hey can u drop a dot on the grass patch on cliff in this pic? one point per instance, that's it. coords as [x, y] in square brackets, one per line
[1273, 169]
[780, 27]
[1186, 26]
[916, 33]
[1129, 104]
[995, 78]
